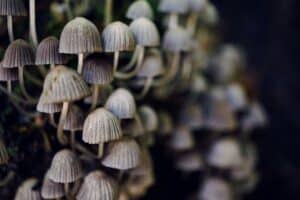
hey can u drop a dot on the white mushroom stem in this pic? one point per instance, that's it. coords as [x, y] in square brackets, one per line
[100, 149]
[141, 55]
[146, 88]
[9, 87]
[10, 28]
[173, 20]
[32, 18]
[116, 61]
[60, 135]
[95, 96]
[108, 11]
[67, 190]
[133, 60]
[80, 63]
[22, 83]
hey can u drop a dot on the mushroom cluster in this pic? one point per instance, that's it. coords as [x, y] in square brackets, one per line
[134, 84]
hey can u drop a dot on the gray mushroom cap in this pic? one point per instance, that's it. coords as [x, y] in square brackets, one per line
[8, 74]
[177, 39]
[182, 139]
[48, 108]
[196, 5]
[12, 8]
[26, 190]
[152, 66]
[139, 8]
[173, 6]
[149, 118]
[52, 190]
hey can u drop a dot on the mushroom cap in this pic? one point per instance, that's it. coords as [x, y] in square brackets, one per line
[101, 126]
[80, 36]
[181, 139]
[12, 8]
[166, 123]
[145, 167]
[152, 66]
[256, 117]
[121, 103]
[8, 74]
[75, 119]
[48, 108]
[65, 167]
[236, 96]
[140, 8]
[48, 52]
[97, 70]
[122, 154]
[149, 118]
[190, 162]
[210, 14]
[196, 5]
[26, 190]
[52, 190]
[145, 32]
[63, 84]
[173, 6]
[118, 37]
[18, 53]
[97, 186]
[177, 39]
[3, 153]
[191, 115]
[215, 188]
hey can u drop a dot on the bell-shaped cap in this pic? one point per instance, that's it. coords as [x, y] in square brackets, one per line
[152, 66]
[12, 8]
[196, 5]
[121, 103]
[225, 153]
[3, 153]
[48, 108]
[145, 32]
[215, 188]
[75, 119]
[177, 39]
[96, 186]
[138, 9]
[182, 139]
[63, 84]
[173, 6]
[101, 126]
[149, 118]
[191, 115]
[52, 190]
[98, 70]
[26, 190]
[8, 74]
[47, 52]
[65, 167]
[236, 96]
[118, 37]
[122, 154]
[145, 167]
[18, 53]
[80, 36]
[209, 15]
[190, 162]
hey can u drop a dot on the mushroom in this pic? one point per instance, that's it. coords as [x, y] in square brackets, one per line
[3, 153]
[138, 9]
[98, 185]
[182, 139]
[98, 71]
[117, 37]
[191, 115]
[190, 162]
[101, 126]
[80, 36]
[27, 191]
[215, 188]
[195, 7]
[8, 75]
[150, 123]
[65, 168]
[50, 109]
[52, 190]
[19, 54]
[12, 8]
[32, 22]
[166, 123]
[236, 96]
[63, 85]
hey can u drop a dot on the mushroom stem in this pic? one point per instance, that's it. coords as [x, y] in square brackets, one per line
[32, 18]
[10, 28]
[60, 135]
[173, 20]
[146, 88]
[73, 140]
[22, 83]
[67, 190]
[141, 54]
[52, 120]
[191, 23]
[108, 11]
[80, 63]
[132, 61]
[116, 61]
[9, 87]
[95, 97]
[100, 150]
[52, 66]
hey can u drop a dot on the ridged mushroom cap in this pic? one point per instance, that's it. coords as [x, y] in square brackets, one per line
[215, 188]
[65, 167]
[225, 153]
[18, 53]
[80, 36]
[48, 108]
[121, 103]
[177, 39]
[191, 115]
[149, 118]
[118, 37]
[75, 119]
[10, 74]
[26, 190]
[12, 8]
[152, 66]
[47, 52]
[196, 5]
[3, 153]
[122, 154]
[181, 139]
[145, 32]
[173, 6]
[97, 70]
[139, 8]
[101, 126]
[98, 186]
[52, 190]
[64, 84]
[190, 162]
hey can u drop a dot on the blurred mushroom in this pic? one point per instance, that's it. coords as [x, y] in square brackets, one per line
[27, 191]
[181, 139]
[196, 7]
[138, 9]
[173, 8]
[190, 162]
[165, 123]
[216, 189]
[150, 123]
